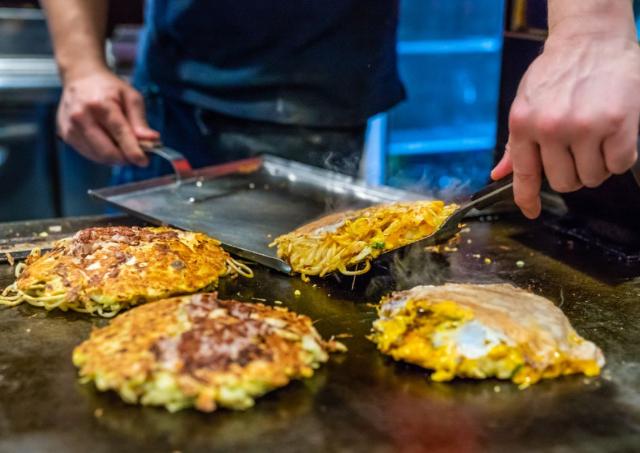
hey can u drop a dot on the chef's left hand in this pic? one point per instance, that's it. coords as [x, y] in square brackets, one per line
[575, 117]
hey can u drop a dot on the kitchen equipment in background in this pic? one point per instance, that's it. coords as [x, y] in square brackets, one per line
[22, 32]
[28, 184]
[41, 177]
[28, 92]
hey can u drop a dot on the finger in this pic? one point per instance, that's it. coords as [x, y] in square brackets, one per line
[109, 153]
[590, 163]
[94, 143]
[621, 148]
[559, 167]
[80, 145]
[87, 137]
[526, 177]
[504, 167]
[98, 147]
[112, 119]
[135, 113]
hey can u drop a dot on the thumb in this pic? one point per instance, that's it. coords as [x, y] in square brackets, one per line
[134, 109]
[504, 167]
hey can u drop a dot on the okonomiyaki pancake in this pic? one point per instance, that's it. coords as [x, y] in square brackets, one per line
[348, 241]
[200, 351]
[482, 331]
[104, 270]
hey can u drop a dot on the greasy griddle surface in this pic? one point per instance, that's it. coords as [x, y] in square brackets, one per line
[360, 401]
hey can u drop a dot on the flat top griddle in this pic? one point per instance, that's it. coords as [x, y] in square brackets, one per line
[246, 204]
[359, 401]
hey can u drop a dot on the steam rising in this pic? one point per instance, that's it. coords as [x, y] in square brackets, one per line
[407, 268]
[446, 188]
[342, 162]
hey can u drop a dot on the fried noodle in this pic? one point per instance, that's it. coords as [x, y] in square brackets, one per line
[41, 294]
[360, 236]
[12, 295]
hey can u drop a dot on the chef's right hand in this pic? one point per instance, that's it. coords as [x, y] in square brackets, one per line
[103, 118]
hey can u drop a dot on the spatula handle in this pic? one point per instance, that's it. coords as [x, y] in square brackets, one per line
[493, 193]
[180, 164]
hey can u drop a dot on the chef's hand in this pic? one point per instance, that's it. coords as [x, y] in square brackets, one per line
[575, 116]
[103, 118]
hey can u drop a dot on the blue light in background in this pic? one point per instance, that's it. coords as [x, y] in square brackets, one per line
[636, 11]
[442, 138]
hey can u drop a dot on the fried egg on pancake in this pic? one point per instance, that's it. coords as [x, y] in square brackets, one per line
[482, 331]
[344, 241]
[200, 351]
[104, 270]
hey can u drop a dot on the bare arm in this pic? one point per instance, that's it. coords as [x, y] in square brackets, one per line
[572, 19]
[577, 110]
[77, 29]
[100, 115]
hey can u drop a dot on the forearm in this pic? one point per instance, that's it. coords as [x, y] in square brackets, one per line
[575, 18]
[576, 114]
[77, 28]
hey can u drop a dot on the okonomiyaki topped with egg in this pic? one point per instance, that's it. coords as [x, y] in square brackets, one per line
[481, 331]
[347, 242]
[200, 351]
[104, 270]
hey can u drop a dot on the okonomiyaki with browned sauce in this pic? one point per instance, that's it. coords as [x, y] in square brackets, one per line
[104, 270]
[200, 351]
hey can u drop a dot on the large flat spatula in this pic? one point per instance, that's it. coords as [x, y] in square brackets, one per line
[489, 195]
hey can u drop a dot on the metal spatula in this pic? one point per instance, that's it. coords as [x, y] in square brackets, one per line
[489, 195]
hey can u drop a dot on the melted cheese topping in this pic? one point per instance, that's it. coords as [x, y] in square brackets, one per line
[448, 338]
[341, 242]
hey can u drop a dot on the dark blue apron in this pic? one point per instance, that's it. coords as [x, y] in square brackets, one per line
[309, 62]
[227, 79]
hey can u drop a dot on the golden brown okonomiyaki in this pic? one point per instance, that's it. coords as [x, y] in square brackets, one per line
[345, 241]
[104, 270]
[481, 331]
[200, 351]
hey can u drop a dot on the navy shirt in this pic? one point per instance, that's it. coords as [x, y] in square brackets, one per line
[307, 62]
